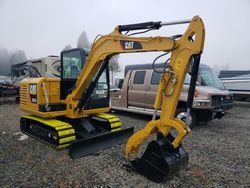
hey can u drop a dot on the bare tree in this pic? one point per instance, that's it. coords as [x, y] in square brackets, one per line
[4, 58]
[9, 58]
[67, 47]
[83, 41]
[113, 62]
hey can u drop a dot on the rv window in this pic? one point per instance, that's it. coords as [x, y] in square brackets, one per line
[139, 77]
[155, 79]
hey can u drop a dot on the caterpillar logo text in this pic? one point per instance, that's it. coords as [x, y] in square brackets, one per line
[33, 93]
[33, 89]
[130, 45]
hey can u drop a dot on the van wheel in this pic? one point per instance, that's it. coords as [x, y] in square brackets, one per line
[181, 114]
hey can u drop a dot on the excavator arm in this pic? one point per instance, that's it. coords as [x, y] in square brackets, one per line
[170, 157]
[106, 46]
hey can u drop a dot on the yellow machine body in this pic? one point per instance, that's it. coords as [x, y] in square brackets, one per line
[66, 101]
[33, 93]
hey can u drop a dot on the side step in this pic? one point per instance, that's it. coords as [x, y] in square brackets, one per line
[81, 148]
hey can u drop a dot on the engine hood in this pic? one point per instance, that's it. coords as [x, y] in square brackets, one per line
[207, 91]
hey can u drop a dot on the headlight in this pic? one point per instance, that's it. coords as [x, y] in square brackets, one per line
[201, 102]
[229, 97]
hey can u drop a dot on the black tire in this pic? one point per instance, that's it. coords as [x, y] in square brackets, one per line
[192, 114]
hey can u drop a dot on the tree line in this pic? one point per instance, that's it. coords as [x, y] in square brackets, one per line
[8, 58]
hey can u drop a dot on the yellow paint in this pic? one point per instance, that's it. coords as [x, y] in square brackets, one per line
[180, 59]
[114, 125]
[66, 132]
[63, 136]
[108, 45]
[117, 129]
[67, 139]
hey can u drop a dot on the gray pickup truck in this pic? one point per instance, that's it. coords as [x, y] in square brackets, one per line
[136, 93]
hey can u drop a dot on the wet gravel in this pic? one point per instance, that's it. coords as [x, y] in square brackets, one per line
[219, 156]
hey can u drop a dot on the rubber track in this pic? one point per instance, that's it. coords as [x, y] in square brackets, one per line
[61, 124]
[114, 122]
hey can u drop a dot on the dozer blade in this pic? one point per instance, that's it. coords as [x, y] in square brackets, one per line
[160, 161]
[81, 148]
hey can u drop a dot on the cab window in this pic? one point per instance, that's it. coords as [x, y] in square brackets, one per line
[72, 64]
[101, 88]
[139, 77]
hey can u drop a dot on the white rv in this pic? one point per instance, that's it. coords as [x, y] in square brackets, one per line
[42, 67]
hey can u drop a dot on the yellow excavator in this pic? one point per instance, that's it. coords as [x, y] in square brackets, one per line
[72, 111]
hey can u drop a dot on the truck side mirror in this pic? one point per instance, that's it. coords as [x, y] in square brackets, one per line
[199, 79]
[120, 83]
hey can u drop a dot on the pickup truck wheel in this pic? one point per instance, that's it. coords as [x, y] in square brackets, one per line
[181, 114]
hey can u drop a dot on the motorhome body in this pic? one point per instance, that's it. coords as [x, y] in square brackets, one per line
[46, 66]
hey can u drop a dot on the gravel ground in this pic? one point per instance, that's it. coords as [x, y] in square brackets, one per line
[219, 156]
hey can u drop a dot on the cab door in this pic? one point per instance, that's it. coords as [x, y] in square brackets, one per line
[151, 88]
[137, 88]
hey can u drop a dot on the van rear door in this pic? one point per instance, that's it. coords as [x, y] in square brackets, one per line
[136, 88]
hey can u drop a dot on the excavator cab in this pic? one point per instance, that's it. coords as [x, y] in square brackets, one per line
[72, 62]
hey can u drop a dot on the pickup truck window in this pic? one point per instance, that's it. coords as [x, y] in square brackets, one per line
[155, 79]
[139, 77]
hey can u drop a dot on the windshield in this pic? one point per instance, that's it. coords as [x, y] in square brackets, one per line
[72, 64]
[209, 78]
[187, 79]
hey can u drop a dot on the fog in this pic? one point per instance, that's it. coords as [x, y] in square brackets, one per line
[45, 27]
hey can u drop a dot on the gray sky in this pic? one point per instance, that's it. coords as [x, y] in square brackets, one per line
[44, 27]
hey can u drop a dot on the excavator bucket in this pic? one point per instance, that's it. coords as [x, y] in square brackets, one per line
[95, 144]
[160, 160]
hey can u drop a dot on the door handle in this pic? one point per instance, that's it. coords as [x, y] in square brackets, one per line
[130, 85]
